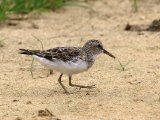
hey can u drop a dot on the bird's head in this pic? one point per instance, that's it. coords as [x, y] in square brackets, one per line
[96, 47]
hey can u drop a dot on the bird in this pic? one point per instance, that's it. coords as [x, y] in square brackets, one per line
[69, 60]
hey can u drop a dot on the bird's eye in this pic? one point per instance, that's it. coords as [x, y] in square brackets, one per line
[99, 46]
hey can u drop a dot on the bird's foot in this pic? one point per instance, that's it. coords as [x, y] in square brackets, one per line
[88, 87]
[66, 92]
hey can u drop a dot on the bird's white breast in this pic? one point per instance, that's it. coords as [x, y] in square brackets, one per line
[68, 68]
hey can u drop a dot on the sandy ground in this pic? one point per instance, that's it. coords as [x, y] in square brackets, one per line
[133, 94]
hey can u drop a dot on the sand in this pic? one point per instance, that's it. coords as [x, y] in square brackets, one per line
[132, 94]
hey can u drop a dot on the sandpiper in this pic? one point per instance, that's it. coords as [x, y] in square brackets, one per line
[69, 60]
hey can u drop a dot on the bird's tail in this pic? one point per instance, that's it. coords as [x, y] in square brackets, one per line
[27, 51]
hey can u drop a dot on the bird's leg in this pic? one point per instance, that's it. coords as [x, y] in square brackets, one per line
[60, 82]
[80, 86]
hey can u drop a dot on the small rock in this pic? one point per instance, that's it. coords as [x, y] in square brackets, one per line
[87, 93]
[57, 119]
[28, 102]
[18, 118]
[45, 113]
[15, 100]
[19, 43]
[35, 26]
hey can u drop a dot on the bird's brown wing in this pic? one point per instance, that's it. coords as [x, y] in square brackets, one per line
[62, 53]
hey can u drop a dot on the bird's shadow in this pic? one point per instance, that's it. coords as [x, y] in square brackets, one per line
[46, 92]
[75, 91]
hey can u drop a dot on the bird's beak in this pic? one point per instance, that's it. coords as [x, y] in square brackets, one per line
[108, 53]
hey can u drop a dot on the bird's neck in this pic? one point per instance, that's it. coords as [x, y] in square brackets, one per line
[90, 58]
